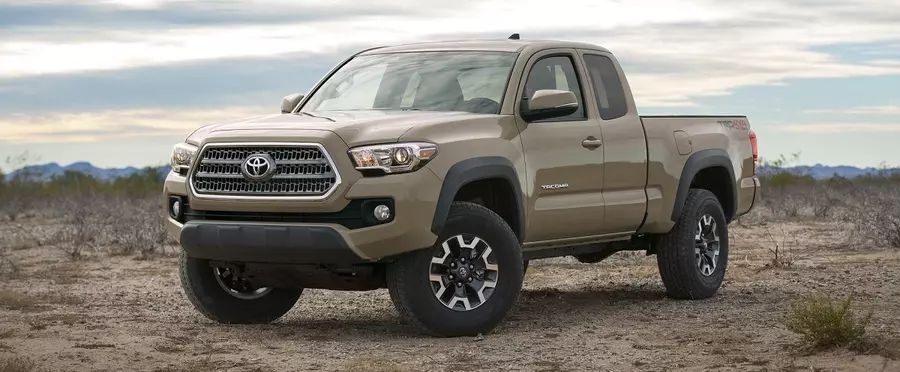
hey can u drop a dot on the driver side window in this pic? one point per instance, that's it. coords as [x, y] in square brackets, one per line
[555, 72]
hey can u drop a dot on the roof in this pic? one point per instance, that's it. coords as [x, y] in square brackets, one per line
[493, 45]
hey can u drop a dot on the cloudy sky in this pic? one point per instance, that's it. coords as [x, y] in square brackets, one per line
[117, 82]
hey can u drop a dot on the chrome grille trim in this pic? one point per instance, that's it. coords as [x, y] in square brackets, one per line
[305, 171]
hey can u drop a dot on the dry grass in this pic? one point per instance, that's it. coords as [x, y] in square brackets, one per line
[825, 324]
[24, 302]
[19, 364]
[799, 239]
[9, 269]
[17, 301]
[63, 273]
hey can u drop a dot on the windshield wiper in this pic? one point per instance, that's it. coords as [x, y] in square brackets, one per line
[317, 117]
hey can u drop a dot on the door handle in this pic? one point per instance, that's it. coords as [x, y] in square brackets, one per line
[591, 143]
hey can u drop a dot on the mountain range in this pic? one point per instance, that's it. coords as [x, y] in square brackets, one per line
[47, 171]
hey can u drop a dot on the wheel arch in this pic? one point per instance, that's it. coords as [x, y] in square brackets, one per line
[474, 170]
[709, 169]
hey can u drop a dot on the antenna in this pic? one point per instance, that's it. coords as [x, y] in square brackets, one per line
[514, 36]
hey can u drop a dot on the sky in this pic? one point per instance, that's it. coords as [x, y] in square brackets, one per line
[118, 82]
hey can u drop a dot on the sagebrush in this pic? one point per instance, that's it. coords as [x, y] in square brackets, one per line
[826, 323]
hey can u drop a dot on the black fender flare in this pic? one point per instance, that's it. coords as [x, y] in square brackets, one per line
[475, 169]
[698, 161]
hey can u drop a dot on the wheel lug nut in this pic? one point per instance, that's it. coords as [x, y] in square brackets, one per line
[463, 259]
[451, 277]
[471, 266]
[470, 278]
[459, 284]
[453, 264]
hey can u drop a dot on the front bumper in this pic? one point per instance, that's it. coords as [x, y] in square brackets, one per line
[414, 196]
[270, 243]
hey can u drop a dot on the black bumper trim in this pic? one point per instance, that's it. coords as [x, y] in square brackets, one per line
[265, 243]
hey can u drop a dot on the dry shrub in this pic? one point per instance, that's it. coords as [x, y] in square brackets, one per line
[9, 269]
[877, 216]
[82, 224]
[118, 225]
[139, 227]
[825, 324]
[782, 250]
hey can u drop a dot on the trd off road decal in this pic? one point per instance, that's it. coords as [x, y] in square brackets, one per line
[741, 124]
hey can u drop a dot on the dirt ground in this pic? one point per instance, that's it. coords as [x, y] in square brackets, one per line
[121, 313]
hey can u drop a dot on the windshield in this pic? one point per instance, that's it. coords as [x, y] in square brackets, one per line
[428, 81]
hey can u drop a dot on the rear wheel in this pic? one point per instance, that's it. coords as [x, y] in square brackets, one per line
[467, 282]
[222, 295]
[693, 256]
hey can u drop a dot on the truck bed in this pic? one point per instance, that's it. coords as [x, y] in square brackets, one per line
[673, 139]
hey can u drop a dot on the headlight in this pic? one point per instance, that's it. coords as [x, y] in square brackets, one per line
[182, 157]
[394, 157]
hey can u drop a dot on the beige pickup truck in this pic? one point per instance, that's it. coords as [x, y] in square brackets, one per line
[438, 170]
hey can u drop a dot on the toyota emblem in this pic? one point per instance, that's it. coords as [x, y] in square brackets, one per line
[258, 167]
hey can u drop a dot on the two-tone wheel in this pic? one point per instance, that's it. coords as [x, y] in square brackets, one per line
[693, 256]
[465, 284]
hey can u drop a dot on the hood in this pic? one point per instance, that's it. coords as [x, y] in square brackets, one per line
[354, 127]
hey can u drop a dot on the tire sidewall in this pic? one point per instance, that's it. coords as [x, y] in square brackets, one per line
[506, 252]
[708, 205]
[207, 295]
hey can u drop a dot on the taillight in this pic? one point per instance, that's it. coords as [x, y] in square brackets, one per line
[753, 145]
[755, 149]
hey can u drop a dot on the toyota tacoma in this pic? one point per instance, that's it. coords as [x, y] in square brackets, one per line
[438, 171]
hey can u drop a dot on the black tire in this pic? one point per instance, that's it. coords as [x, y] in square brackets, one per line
[412, 293]
[676, 256]
[209, 298]
[524, 267]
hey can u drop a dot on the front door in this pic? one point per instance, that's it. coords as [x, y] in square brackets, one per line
[563, 156]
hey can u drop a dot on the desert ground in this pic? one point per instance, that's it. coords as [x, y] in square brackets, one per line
[99, 309]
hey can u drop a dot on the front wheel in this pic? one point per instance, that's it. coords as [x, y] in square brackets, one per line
[221, 295]
[467, 282]
[693, 256]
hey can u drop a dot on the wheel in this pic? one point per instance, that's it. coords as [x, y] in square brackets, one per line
[693, 256]
[223, 297]
[467, 282]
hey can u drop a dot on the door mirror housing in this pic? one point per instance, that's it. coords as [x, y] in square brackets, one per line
[289, 102]
[550, 103]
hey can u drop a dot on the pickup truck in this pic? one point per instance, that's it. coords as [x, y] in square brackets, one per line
[438, 170]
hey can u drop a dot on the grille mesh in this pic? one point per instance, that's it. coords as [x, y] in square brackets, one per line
[299, 171]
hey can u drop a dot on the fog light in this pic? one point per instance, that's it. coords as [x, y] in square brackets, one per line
[176, 208]
[382, 212]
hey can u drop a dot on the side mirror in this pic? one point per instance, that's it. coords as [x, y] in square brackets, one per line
[550, 103]
[289, 102]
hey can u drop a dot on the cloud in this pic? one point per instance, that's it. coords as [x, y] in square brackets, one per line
[210, 84]
[162, 14]
[697, 48]
[862, 110]
[841, 128]
[114, 124]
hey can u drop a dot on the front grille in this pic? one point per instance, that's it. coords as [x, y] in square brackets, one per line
[300, 170]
